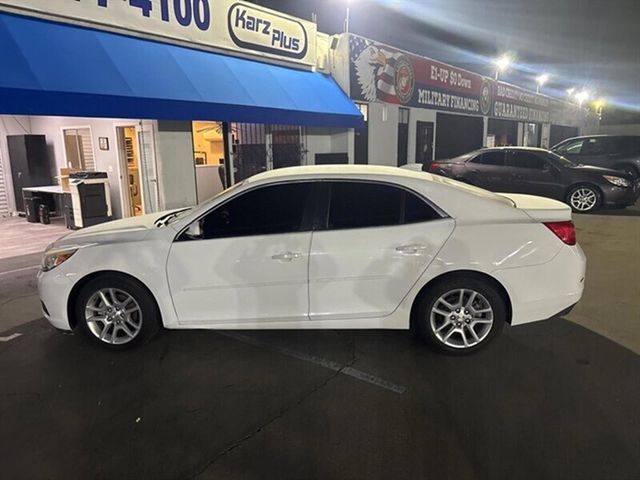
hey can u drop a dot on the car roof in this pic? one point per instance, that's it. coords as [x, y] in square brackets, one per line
[600, 135]
[528, 149]
[337, 171]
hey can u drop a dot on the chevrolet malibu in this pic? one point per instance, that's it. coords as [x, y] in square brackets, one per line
[324, 247]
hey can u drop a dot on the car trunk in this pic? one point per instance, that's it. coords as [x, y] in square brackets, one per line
[539, 208]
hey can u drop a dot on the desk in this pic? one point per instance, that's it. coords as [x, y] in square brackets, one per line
[52, 196]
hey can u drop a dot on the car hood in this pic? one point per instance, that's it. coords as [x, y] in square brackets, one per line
[601, 171]
[124, 230]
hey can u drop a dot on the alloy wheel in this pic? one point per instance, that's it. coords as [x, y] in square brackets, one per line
[461, 318]
[113, 316]
[583, 199]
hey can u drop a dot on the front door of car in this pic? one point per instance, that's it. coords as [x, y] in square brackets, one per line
[246, 261]
[488, 170]
[376, 241]
[533, 174]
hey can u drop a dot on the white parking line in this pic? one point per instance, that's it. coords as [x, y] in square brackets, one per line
[10, 337]
[18, 270]
[331, 365]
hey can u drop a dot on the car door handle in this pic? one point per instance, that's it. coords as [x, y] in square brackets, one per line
[410, 249]
[287, 256]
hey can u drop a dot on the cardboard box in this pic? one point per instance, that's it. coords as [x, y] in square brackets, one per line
[64, 178]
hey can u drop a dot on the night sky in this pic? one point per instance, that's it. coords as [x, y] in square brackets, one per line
[592, 44]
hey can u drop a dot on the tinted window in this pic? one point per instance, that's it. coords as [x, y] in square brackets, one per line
[527, 160]
[490, 158]
[597, 146]
[264, 211]
[573, 147]
[628, 145]
[417, 210]
[360, 205]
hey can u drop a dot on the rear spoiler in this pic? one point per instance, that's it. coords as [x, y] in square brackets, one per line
[539, 208]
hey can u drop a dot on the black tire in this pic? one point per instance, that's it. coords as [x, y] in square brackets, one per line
[428, 300]
[147, 320]
[584, 187]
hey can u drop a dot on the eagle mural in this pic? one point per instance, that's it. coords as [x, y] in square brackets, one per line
[379, 74]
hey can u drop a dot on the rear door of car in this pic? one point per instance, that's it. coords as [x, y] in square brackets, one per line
[488, 170]
[532, 173]
[373, 243]
[599, 151]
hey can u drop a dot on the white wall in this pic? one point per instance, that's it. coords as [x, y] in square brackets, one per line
[11, 125]
[328, 140]
[545, 138]
[176, 167]
[383, 134]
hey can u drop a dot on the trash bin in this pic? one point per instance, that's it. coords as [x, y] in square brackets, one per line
[31, 206]
[44, 214]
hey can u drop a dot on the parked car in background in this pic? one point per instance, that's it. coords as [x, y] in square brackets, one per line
[540, 172]
[322, 247]
[620, 152]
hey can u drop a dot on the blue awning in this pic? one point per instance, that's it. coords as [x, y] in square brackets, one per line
[48, 68]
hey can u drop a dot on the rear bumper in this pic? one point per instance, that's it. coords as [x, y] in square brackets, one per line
[544, 291]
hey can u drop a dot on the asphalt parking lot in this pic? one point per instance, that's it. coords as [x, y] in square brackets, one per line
[555, 399]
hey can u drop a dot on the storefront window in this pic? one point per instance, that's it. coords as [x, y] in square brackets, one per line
[208, 143]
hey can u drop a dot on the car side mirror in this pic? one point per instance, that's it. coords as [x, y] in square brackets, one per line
[194, 232]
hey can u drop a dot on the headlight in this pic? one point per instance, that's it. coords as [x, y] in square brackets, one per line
[617, 181]
[52, 259]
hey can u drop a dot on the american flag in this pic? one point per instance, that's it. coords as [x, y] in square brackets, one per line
[382, 74]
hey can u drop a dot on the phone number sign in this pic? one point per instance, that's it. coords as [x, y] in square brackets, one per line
[219, 24]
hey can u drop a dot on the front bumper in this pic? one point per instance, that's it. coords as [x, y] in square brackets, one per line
[621, 197]
[54, 289]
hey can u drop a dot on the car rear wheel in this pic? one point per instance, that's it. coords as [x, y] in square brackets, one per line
[584, 198]
[116, 312]
[461, 315]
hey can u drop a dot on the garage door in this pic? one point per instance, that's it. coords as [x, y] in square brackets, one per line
[457, 134]
[4, 198]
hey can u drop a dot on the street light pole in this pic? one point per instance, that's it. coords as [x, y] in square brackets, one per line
[346, 20]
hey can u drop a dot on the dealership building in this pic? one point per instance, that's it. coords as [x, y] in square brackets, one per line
[176, 100]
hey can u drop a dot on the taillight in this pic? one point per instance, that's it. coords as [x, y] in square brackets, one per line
[434, 167]
[565, 231]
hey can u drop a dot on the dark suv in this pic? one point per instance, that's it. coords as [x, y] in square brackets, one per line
[540, 172]
[620, 152]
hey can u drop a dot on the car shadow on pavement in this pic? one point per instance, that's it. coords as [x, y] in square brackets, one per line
[546, 400]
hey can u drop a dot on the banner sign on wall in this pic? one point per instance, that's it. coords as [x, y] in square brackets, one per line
[384, 74]
[219, 24]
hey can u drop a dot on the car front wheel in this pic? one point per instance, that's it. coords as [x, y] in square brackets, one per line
[116, 312]
[461, 315]
[584, 199]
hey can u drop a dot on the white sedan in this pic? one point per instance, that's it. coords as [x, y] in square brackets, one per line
[338, 247]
